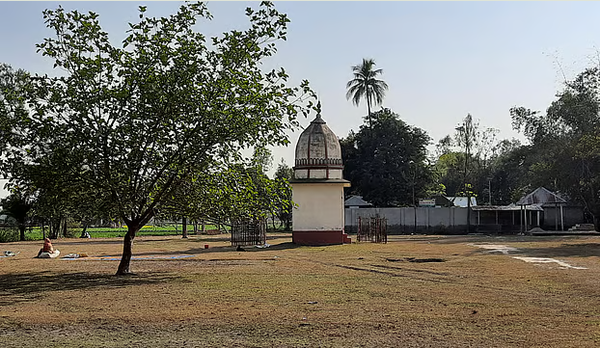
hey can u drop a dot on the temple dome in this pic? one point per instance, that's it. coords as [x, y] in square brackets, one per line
[318, 153]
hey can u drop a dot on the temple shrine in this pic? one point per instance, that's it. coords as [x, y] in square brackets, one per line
[318, 187]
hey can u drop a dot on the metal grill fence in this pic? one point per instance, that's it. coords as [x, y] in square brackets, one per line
[248, 232]
[372, 229]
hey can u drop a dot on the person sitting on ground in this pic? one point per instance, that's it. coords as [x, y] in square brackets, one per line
[48, 250]
[47, 246]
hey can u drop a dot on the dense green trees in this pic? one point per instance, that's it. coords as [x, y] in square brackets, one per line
[283, 190]
[17, 205]
[12, 103]
[565, 141]
[459, 160]
[128, 124]
[239, 191]
[386, 161]
[473, 161]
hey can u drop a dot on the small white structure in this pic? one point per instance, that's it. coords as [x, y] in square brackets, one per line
[318, 187]
[462, 201]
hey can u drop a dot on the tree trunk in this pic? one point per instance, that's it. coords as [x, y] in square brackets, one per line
[184, 228]
[54, 226]
[195, 224]
[64, 227]
[369, 113]
[83, 232]
[288, 223]
[596, 222]
[22, 232]
[132, 230]
[203, 227]
[468, 212]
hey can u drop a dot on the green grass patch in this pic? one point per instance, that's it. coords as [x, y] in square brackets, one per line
[11, 234]
[117, 232]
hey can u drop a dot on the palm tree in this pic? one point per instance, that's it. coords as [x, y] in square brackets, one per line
[366, 86]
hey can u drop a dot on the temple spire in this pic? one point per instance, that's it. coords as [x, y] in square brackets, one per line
[318, 119]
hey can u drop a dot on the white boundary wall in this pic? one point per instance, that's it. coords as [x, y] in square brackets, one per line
[451, 220]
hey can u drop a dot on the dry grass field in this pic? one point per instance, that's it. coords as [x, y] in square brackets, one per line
[415, 291]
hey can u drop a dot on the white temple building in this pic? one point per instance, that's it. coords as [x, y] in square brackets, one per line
[318, 187]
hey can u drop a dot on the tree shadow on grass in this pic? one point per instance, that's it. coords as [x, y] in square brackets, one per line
[24, 287]
[199, 238]
[565, 250]
[222, 249]
[111, 241]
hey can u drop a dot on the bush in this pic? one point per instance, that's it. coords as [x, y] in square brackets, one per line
[73, 229]
[72, 232]
[9, 234]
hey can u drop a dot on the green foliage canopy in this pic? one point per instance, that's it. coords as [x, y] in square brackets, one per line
[128, 123]
[386, 161]
[565, 141]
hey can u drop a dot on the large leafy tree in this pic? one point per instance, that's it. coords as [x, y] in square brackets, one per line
[15, 144]
[387, 161]
[12, 104]
[365, 86]
[565, 142]
[132, 122]
[508, 173]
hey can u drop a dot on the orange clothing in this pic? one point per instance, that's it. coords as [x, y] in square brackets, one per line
[47, 246]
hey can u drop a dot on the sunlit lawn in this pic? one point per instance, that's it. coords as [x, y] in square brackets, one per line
[358, 295]
[36, 233]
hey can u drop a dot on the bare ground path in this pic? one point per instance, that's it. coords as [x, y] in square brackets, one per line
[415, 291]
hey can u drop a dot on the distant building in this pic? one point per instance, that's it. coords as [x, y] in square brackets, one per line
[356, 202]
[7, 220]
[558, 213]
[462, 201]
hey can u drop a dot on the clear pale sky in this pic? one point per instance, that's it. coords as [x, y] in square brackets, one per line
[441, 60]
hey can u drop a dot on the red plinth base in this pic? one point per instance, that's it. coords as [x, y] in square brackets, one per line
[347, 240]
[319, 237]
